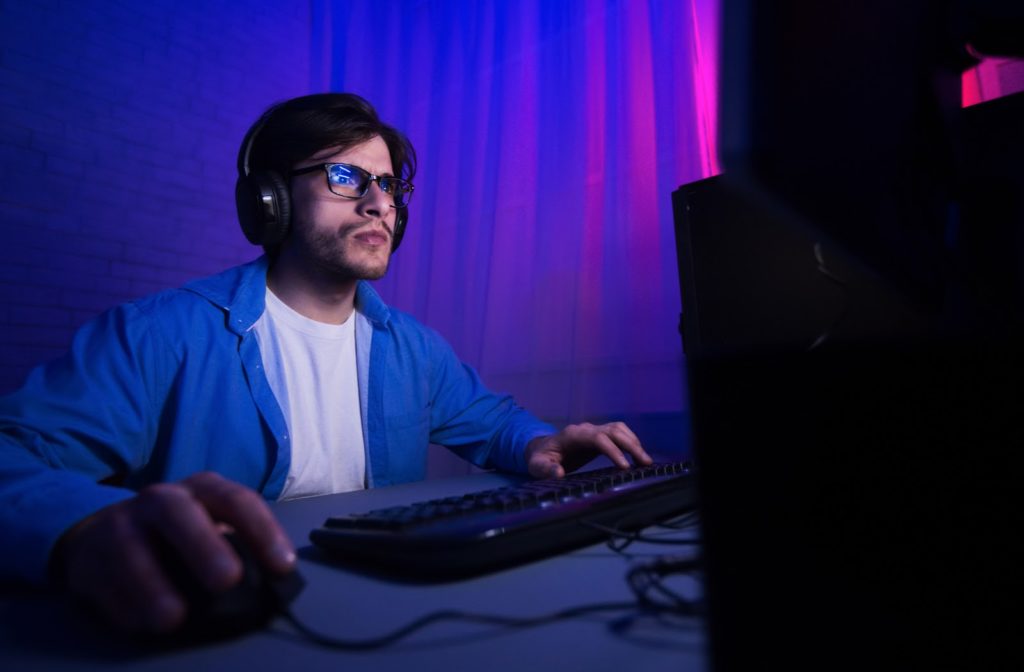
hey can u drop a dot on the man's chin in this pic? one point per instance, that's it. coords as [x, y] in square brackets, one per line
[363, 270]
[374, 273]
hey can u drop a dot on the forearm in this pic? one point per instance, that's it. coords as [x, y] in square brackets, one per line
[38, 504]
[493, 433]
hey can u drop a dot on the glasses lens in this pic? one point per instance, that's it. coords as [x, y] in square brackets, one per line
[353, 181]
[398, 189]
[346, 180]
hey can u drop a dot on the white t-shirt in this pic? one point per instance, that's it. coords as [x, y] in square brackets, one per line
[311, 368]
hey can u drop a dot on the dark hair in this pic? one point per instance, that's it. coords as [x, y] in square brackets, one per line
[295, 129]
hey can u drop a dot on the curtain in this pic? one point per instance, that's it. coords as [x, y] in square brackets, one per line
[550, 137]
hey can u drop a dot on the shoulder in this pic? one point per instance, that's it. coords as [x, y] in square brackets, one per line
[229, 287]
[401, 327]
[178, 306]
[201, 306]
[230, 290]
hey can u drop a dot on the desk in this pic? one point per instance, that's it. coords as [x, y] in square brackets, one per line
[42, 631]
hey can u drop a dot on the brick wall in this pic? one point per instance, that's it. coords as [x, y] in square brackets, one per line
[119, 128]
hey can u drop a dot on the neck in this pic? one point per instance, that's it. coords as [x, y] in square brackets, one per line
[313, 295]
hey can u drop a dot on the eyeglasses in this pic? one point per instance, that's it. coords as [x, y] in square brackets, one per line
[351, 181]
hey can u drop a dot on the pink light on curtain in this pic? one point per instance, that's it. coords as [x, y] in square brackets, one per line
[550, 137]
[705, 89]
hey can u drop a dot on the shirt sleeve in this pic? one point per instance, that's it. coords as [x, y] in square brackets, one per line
[83, 418]
[488, 429]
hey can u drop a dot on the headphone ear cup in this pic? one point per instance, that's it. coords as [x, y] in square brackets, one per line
[264, 208]
[401, 219]
[278, 229]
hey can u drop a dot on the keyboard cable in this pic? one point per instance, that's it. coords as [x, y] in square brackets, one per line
[645, 580]
[511, 622]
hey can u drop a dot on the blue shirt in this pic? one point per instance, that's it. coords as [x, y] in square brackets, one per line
[173, 384]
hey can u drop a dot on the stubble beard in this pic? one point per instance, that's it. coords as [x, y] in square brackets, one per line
[336, 256]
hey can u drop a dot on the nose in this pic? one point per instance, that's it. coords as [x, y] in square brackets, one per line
[375, 203]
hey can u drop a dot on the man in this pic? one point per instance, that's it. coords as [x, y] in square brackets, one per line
[178, 415]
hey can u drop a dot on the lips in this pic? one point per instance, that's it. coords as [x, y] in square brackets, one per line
[372, 238]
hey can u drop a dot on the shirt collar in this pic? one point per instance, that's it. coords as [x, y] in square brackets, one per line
[241, 292]
[369, 303]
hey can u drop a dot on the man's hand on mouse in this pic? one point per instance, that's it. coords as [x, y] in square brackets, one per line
[555, 455]
[111, 559]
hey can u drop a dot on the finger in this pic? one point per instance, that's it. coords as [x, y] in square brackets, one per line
[151, 599]
[543, 456]
[606, 446]
[248, 514]
[579, 444]
[623, 428]
[539, 468]
[112, 566]
[171, 510]
[629, 442]
[545, 466]
[547, 469]
[553, 470]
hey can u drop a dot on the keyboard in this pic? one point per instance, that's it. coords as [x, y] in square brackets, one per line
[479, 532]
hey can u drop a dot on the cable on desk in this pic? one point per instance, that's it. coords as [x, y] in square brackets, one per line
[682, 522]
[619, 540]
[469, 617]
[647, 583]
[647, 580]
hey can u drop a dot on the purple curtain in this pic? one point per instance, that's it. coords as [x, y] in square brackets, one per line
[550, 137]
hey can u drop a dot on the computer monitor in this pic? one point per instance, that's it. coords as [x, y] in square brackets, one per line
[851, 318]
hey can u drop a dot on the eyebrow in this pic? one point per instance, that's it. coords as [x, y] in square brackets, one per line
[320, 160]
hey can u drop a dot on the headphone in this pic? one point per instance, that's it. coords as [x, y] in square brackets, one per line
[263, 198]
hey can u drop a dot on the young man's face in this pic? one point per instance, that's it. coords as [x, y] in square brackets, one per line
[342, 237]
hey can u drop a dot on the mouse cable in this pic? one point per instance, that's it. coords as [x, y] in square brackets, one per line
[513, 622]
[619, 540]
[647, 583]
[680, 522]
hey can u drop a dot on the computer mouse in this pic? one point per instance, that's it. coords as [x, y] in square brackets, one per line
[249, 605]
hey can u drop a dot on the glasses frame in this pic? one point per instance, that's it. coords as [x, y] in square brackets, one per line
[382, 181]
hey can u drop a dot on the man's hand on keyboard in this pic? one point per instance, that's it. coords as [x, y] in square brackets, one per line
[555, 455]
[113, 558]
